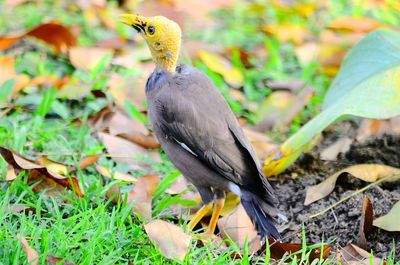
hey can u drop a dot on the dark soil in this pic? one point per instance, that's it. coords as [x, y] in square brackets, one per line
[342, 223]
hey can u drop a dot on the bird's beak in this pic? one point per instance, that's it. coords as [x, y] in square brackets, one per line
[135, 21]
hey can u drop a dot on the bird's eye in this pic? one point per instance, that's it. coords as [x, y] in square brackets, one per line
[151, 30]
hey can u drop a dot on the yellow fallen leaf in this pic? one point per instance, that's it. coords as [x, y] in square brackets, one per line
[116, 175]
[223, 67]
[365, 172]
[390, 221]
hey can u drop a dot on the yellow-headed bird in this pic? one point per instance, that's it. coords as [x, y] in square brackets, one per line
[198, 131]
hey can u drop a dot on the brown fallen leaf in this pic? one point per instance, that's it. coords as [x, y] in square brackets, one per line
[55, 34]
[365, 172]
[367, 216]
[342, 145]
[114, 193]
[52, 260]
[38, 172]
[142, 194]
[180, 184]
[116, 175]
[278, 250]
[49, 81]
[74, 89]
[87, 58]
[170, 239]
[8, 72]
[130, 89]
[239, 228]
[87, 162]
[31, 255]
[17, 208]
[390, 221]
[354, 255]
[123, 151]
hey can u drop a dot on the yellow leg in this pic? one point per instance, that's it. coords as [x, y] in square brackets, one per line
[199, 215]
[219, 204]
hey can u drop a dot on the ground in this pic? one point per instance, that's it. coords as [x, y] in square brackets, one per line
[341, 224]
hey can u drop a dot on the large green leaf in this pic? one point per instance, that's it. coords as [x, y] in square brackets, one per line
[367, 85]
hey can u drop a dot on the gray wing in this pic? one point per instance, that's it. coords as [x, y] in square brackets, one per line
[192, 112]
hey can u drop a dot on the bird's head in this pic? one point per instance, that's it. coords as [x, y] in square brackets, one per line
[163, 36]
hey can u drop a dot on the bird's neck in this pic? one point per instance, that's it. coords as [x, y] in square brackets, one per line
[166, 58]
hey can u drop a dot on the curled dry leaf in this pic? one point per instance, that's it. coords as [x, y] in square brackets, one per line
[17, 208]
[239, 228]
[142, 194]
[57, 35]
[38, 172]
[367, 216]
[352, 255]
[365, 172]
[390, 221]
[223, 67]
[31, 255]
[170, 239]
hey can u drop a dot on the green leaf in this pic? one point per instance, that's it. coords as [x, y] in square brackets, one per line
[390, 221]
[367, 85]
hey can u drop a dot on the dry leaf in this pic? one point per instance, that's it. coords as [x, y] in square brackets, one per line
[180, 184]
[279, 250]
[57, 35]
[123, 151]
[355, 24]
[365, 172]
[170, 239]
[367, 216]
[87, 162]
[288, 32]
[87, 57]
[353, 255]
[390, 221]
[130, 89]
[116, 175]
[37, 172]
[223, 67]
[54, 261]
[8, 72]
[31, 254]
[17, 208]
[262, 144]
[142, 194]
[373, 128]
[342, 145]
[239, 228]
[113, 193]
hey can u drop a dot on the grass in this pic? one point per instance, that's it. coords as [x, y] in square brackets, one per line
[92, 229]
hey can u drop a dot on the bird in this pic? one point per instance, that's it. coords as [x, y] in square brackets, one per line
[199, 133]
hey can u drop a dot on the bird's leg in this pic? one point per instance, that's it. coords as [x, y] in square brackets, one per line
[200, 214]
[218, 205]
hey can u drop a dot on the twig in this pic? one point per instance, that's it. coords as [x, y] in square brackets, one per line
[353, 194]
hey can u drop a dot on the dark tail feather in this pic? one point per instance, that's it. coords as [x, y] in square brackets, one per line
[258, 215]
